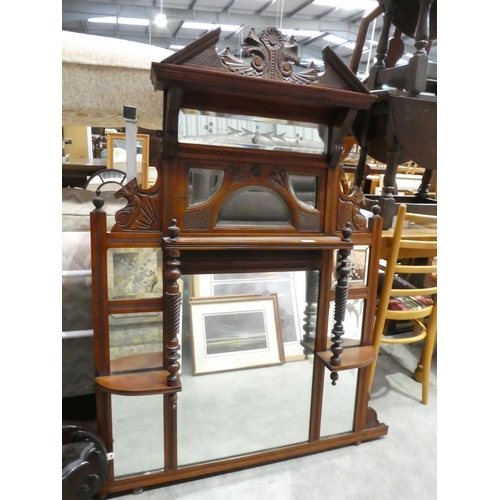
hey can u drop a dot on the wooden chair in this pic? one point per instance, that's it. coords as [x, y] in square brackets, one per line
[107, 179]
[409, 292]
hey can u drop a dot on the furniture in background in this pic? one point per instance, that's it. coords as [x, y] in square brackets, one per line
[75, 172]
[401, 125]
[236, 209]
[409, 292]
[107, 179]
[84, 462]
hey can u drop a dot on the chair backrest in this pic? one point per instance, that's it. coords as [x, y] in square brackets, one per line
[413, 258]
[107, 179]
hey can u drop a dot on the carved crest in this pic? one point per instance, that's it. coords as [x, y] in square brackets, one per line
[142, 210]
[272, 56]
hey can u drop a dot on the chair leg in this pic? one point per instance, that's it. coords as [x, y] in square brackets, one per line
[377, 337]
[426, 356]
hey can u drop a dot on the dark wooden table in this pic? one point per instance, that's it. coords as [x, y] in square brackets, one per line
[75, 172]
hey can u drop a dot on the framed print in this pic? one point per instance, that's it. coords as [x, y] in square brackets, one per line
[289, 288]
[235, 332]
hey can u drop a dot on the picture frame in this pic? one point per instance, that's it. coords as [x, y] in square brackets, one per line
[235, 332]
[289, 288]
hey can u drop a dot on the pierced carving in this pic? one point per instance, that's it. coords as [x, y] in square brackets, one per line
[272, 54]
[142, 211]
[349, 210]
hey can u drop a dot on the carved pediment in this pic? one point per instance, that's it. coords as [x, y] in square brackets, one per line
[272, 55]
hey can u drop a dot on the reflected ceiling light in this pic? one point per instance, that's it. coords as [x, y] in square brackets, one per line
[161, 18]
[209, 26]
[176, 47]
[120, 20]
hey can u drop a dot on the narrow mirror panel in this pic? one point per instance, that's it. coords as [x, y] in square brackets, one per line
[135, 341]
[339, 402]
[137, 434]
[134, 273]
[219, 129]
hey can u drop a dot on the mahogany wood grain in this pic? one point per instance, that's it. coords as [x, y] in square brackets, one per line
[137, 384]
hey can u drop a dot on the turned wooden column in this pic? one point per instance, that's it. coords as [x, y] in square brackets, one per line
[172, 307]
[341, 293]
[311, 309]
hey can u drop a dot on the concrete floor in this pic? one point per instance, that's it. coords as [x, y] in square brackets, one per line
[399, 466]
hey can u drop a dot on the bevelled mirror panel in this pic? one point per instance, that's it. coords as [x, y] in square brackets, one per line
[241, 349]
[219, 129]
[137, 434]
[135, 341]
[134, 273]
[203, 184]
[353, 321]
[339, 402]
[254, 206]
[304, 188]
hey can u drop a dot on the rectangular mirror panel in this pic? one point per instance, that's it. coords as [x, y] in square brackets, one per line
[237, 411]
[219, 129]
[337, 415]
[137, 434]
[135, 341]
[134, 273]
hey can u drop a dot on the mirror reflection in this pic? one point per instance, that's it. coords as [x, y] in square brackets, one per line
[337, 414]
[134, 273]
[135, 341]
[137, 434]
[206, 127]
[231, 327]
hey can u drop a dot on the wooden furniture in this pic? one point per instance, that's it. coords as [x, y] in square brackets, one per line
[76, 172]
[402, 298]
[402, 123]
[237, 210]
[107, 179]
[84, 462]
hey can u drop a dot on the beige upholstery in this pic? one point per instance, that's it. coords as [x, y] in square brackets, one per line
[100, 75]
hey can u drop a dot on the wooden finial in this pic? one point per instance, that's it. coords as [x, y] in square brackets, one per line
[98, 202]
[173, 231]
[347, 231]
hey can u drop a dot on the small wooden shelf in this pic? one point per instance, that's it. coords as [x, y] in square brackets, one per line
[137, 384]
[351, 358]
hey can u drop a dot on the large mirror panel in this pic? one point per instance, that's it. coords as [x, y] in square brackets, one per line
[253, 387]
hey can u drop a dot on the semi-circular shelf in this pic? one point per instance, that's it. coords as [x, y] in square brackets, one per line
[137, 384]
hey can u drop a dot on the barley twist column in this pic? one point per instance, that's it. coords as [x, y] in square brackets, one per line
[341, 292]
[172, 307]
